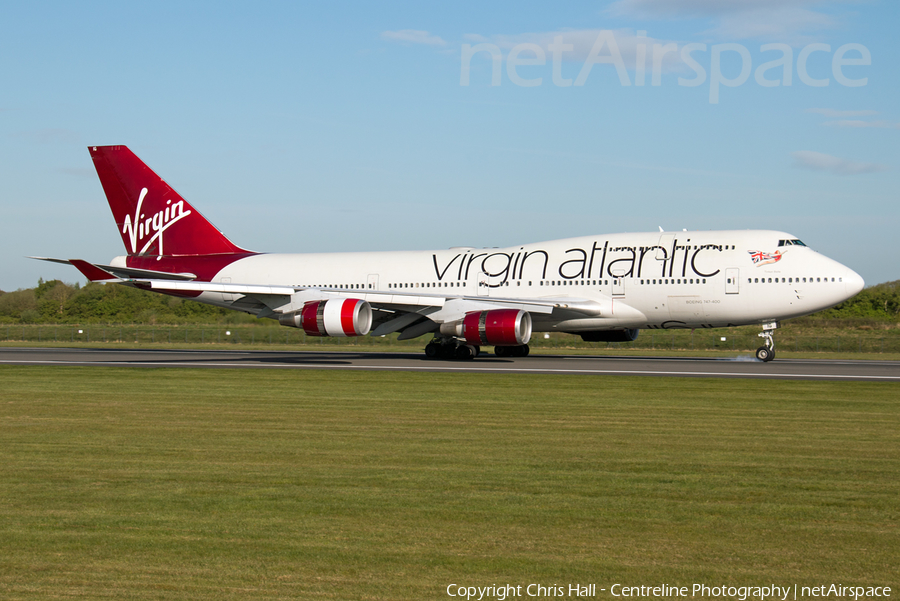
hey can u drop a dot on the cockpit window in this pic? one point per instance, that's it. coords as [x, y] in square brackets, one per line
[794, 242]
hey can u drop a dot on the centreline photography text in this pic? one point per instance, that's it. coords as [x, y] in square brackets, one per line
[501, 592]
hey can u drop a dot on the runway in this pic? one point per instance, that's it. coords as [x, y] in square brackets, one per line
[599, 365]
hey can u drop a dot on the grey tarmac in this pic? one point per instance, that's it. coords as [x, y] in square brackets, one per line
[600, 365]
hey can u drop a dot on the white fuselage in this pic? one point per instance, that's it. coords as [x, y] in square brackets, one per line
[641, 280]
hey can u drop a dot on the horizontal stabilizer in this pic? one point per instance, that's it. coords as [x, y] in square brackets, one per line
[124, 272]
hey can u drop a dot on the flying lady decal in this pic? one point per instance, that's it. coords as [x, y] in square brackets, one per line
[761, 258]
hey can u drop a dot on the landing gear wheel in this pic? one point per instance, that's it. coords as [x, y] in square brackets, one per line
[432, 350]
[464, 352]
[501, 351]
[764, 353]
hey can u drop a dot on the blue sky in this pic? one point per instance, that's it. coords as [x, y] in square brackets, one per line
[306, 127]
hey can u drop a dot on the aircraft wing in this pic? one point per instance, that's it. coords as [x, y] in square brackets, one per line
[410, 314]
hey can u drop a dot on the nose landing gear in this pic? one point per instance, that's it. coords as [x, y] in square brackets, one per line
[767, 353]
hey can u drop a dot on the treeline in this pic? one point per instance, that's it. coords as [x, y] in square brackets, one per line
[58, 302]
[879, 303]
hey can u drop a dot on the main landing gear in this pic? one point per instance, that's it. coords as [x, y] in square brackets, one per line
[512, 351]
[767, 353]
[455, 349]
[451, 349]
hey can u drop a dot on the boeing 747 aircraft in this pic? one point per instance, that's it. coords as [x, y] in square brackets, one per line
[603, 288]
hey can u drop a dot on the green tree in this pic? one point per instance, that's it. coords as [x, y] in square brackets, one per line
[14, 304]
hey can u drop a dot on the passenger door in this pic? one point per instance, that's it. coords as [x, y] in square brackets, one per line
[732, 280]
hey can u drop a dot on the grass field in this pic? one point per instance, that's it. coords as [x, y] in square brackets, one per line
[258, 484]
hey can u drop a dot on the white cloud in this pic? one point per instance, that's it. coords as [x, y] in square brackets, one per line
[49, 136]
[860, 123]
[835, 114]
[817, 161]
[785, 23]
[696, 8]
[780, 20]
[582, 42]
[413, 36]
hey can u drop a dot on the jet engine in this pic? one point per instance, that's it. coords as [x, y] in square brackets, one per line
[498, 327]
[610, 335]
[333, 317]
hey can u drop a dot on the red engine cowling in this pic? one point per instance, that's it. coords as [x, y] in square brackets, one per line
[333, 317]
[499, 327]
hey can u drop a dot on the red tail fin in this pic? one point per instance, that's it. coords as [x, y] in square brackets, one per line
[152, 218]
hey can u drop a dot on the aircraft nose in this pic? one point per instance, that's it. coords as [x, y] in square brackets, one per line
[853, 283]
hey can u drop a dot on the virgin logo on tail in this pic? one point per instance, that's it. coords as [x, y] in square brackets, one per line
[142, 226]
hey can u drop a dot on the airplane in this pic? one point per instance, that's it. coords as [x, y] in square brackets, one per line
[602, 288]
